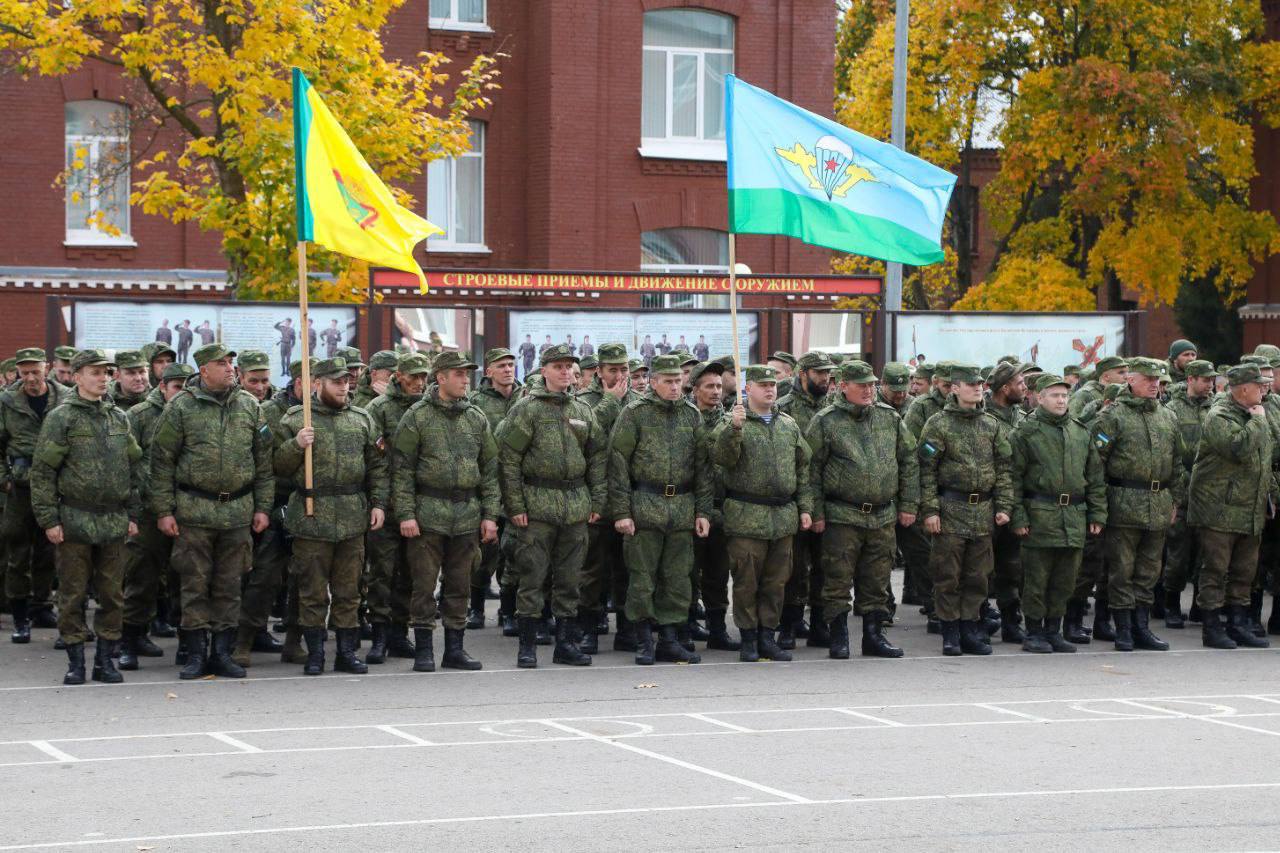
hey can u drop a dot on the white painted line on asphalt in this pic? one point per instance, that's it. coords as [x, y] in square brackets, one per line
[679, 762]
[893, 724]
[392, 730]
[713, 721]
[639, 810]
[999, 710]
[1270, 699]
[52, 751]
[1217, 721]
[236, 742]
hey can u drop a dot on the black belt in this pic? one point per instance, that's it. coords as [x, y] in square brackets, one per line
[864, 507]
[548, 483]
[458, 496]
[1063, 499]
[90, 506]
[965, 497]
[762, 500]
[220, 497]
[1144, 485]
[667, 490]
[332, 491]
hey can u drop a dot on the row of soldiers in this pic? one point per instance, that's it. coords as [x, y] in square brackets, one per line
[575, 496]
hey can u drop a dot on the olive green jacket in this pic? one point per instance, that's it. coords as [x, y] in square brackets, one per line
[388, 408]
[274, 409]
[1232, 478]
[659, 474]
[1058, 484]
[864, 469]
[123, 400]
[801, 405]
[965, 450]
[142, 425]
[710, 420]
[1139, 442]
[1084, 395]
[921, 409]
[491, 402]
[765, 461]
[19, 427]
[1190, 415]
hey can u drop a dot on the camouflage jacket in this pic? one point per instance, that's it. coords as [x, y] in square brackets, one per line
[388, 408]
[19, 427]
[491, 403]
[219, 446]
[659, 475]
[274, 409]
[966, 451]
[710, 420]
[1084, 395]
[768, 461]
[365, 393]
[349, 473]
[901, 410]
[801, 405]
[864, 469]
[1010, 416]
[85, 472]
[1139, 443]
[1190, 415]
[921, 409]
[551, 459]
[142, 425]
[123, 400]
[445, 447]
[1054, 456]
[1232, 477]
[605, 406]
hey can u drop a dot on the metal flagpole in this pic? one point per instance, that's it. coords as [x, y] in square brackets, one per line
[898, 136]
[306, 372]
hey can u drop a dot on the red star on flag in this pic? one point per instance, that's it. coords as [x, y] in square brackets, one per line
[831, 164]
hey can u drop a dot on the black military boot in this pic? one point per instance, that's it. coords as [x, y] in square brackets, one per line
[104, 668]
[527, 655]
[601, 628]
[973, 637]
[197, 644]
[694, 627]
[1073, 625]
[43, 616]
[1193, 612]
[130, 650]
[590, 642]
[455, 656]
[1102, 629]
[1035, 640]
[819, 633]
[345, 660]
[1173, 616]
[75, 664]
[1157, 601]
[264, 642]
[220, 662]
[749, 651]
[718, 635]
[645, 651]
[874, 642]
[1011, 624]
[932, 625]
[1124, 629]
[180, 653]
[786, 628]
[1053, 634]
[567, 651]
[546, 628]
[1212, 633]
[989, 617]
[1255, 614]
[1240, 628]
[624, 639]
[769, 648]
[378, 644]
[475, 613]
[684, 636]
[670, 649]
[838, 631]
[21, 621]
[950, 638]
[1142, 636]
[314, 638]
[398, 643]
[507, 612]
[160, 626]
[424, 657]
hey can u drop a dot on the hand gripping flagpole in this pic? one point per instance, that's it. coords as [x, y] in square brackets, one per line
[306, 374]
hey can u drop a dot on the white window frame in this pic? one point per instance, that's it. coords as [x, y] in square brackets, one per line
[445, 243]
[688, 300]
[92, 236]
[452, 23]
[688, 147]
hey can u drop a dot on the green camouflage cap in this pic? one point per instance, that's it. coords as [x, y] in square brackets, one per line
[986, 372]
[715, 368]
[1144, 366]
[761, 373]
[1223, 368]
[667, 364]
[252, 359]
[65, 353]
[589, 362]
[687, 358]
[295, 368]
[942, 370]
[28, 354]
[330, 368]
[1260, 360]
[1180, 346]
[559, 352]
[961, 372]
[413, 364]
[89, 358]
[1048, 380]
[497, 354]
[896, 376]
[211, 352]
[1243, 374]
[1275, 361]
[1112, 390]
[837, 358]
[1200, 367]
[130, 358]
[1008, 359]
[1031, 369]
[814, 360]
[177, 370]
[1003, 374]
[612, 353]
[450, 360]
[384, 359]
[352, 356]
[1269, 350]
[725, 361]
[1071, 370]
[8, 365]
[156, 349]
[1111, 362]
[787, 358]
[635, 365]
[857, 371]
[924, 370]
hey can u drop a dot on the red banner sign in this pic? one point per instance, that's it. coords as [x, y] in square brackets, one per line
[833, 285]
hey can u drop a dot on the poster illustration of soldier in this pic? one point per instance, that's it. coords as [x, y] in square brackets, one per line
[1052, 341]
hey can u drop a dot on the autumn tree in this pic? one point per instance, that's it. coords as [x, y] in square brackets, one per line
[209, 90]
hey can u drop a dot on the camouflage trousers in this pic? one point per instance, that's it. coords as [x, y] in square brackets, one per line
[1093, 570]
[328, 581]
[80, 567]
[858, 559]
[916, 545]
[259, 588]
[210, 565]
[388, 584]
[1133, 565]
[760, 568]
[804, 587]
[604, 569]
[545, 551]
[448, 559]
[659, 565]
[1048, 577]
[30, 569]
[1230, 562]
[711, 568]
[146, 572]
[961, 570]
[1006, 575]
[490, 563]
[1182, 555]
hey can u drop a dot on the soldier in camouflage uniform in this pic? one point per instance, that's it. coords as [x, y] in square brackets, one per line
[552, 470]
[211, 489]
[921, 380]
[355, 369]
[1141, 449]
[765, 462]
[1059, 494]
[659, 495]
[965, 492]
[375, 381]
[710, 555]
[254, 369]
[349, 494]
[388, 581]
[1111, 370]
[913, 541]
[1181, 353]
[807, 397]
[60, 366]
[894, 389]
[23, 408]
[785, 366]
[84, 494]
[446, 490]
[1232, 486]
[1008, 389]
[864, 478]
[158, 357]
[131, 383]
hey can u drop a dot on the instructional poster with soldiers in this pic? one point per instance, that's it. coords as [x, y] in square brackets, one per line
[1052, 341]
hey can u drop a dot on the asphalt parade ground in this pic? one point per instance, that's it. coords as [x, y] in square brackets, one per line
[1099, 750]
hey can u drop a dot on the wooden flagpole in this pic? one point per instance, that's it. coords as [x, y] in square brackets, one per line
[305, 340]
[733, 312]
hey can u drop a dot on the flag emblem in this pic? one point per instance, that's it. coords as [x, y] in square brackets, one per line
[830, 167]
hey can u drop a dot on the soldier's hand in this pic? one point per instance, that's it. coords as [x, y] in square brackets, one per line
[702, 527]
[488, 531]
[261, 521]
[806, 521]
[409, 529]
[1021, 531]
[1002, 518]
[305, 437]
[739, 415]
[1173, 518]
[906, 519]
[818, 526]
[521, 520]
[54, 534]
[380, 386]
[168, 526]
[593, 518]
[376, 518]
[1095, 529]
[625, 526]
[1258, 412]
[133, 528]
[619, 388]
[933, 524]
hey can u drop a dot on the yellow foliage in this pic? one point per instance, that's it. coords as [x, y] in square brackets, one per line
[1029, 284]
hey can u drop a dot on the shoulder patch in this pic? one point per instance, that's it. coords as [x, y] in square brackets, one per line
[1101, 440]
[927, 450]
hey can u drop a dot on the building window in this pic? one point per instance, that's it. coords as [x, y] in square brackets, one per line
[687, 53]
[458, 15]
[455, 198]
[684, 250]
[98, 176]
